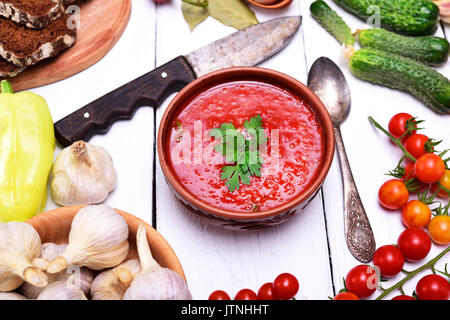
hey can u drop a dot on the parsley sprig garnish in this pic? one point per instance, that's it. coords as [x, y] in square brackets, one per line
[242, 151]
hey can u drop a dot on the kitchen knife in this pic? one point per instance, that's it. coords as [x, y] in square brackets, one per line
[246, 47]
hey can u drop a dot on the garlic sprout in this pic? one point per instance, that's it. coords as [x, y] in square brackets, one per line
[11, 296]
[19, 245]
[98, 239]
[155, 282]
[112, 284]
[82, 174]
[61, 290]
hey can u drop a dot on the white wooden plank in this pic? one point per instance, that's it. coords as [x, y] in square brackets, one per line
[218, 259]
[129, 142]
[370, 153]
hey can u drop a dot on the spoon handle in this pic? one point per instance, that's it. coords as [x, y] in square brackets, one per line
[358, 232]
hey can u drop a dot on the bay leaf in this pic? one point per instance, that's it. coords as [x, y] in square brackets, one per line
[233, 13]
[194, 15]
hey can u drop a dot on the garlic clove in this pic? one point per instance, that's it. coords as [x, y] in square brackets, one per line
[83, 174]
[98, 239]
[112, 284]
[11, 296]
[61, 290]
[148, 263]
[154, 282]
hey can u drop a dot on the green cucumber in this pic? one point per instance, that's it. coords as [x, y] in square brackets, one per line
[426, 49]
[409, 17]
[393, 71]
[332, 22]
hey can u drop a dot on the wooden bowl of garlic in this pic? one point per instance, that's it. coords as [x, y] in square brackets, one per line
[88, 252]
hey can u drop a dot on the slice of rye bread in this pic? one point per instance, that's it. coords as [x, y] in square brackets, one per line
[35, 14]
[7, 69]
[25, 47]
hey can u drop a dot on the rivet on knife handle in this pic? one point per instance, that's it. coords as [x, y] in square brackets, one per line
[148, 90]
[358, 232]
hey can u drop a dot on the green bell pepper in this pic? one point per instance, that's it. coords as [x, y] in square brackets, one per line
[27, 145]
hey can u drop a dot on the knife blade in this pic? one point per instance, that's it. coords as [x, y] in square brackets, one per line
[247, 47]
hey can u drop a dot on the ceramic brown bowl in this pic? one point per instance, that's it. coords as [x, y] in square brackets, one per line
[231, 219]
[276, 5]
[54, 226]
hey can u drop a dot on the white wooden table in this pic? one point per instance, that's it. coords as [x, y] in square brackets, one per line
[311, 245]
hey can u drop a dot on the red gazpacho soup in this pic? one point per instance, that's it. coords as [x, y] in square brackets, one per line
[290, 158]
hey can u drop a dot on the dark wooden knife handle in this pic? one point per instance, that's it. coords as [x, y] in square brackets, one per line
[148, 90]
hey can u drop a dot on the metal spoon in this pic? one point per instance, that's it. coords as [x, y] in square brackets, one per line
[327, 81]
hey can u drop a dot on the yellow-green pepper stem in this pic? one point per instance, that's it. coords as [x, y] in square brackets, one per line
[6, 87]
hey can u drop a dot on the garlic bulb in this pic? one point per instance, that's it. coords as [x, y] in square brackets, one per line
[82, 174]
[61, 290]
[112, 284]
[98, 239]
[19, 245]
[155, 282]
[11, 296]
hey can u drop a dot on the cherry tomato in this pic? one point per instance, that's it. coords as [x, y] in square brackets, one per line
[346, 296]
[439, 229]
[429, 168]
[362, 280]
[403, 297]
[389, 259]
[416, 214]
[445, 182]
[266, 292]
[433, 287]
[285, 286]
[415, 145]
[219, 295]
[393, 194]
[397, 125]
[414, 243]
[246, 294]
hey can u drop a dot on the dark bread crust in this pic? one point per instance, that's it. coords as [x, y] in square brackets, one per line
[25, 47]
[7, 69]
[29, 13]
[35, 14]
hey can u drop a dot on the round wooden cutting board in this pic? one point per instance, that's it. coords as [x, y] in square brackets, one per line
[102, 24]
